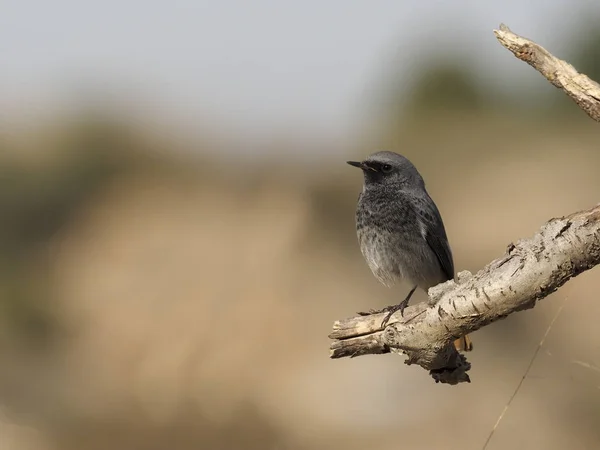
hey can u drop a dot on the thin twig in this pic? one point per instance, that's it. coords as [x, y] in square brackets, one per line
[535, 354]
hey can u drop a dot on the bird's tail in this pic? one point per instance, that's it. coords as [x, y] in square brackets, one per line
[463, 344]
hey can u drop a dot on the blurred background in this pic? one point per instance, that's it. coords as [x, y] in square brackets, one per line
[177, 220]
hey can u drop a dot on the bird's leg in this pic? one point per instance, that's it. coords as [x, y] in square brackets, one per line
[390, 309]
[399, 307]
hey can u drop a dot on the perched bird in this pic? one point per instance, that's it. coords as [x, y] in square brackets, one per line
[400, 230]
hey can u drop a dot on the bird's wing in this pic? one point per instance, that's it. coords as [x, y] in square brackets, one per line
[434, 233]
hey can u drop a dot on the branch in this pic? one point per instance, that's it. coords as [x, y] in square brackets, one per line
[583, 91]
[529, 271]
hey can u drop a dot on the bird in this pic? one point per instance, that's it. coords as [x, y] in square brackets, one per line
[400, 230]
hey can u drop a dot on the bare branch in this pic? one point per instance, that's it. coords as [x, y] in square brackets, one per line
[583, 91]
[529, 271]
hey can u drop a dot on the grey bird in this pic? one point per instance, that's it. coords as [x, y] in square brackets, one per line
[400, 229]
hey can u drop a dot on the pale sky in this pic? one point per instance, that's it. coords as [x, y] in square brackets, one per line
[253, 66]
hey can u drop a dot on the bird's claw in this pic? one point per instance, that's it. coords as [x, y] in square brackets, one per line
[371, 312]
[392, 309]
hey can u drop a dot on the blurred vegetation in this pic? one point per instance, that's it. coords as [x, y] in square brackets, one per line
[247, 428]
[38, 200]
[585, 51]
[443, 86]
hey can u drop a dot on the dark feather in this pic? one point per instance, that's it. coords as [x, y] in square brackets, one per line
[435, 235]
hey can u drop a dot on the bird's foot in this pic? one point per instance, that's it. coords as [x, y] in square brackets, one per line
[375, 311]
[392, 309]
[371, 311]
[388, 309]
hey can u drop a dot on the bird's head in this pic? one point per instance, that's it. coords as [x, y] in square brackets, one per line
[389, 169]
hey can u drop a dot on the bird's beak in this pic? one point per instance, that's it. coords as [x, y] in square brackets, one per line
[360, 165]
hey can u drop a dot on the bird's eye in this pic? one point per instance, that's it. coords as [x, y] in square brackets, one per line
[386, 168]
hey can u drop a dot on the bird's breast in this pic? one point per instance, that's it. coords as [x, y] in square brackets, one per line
[382, 254]
[391, 241]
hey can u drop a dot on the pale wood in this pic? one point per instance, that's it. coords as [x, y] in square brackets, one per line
[582, 90]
